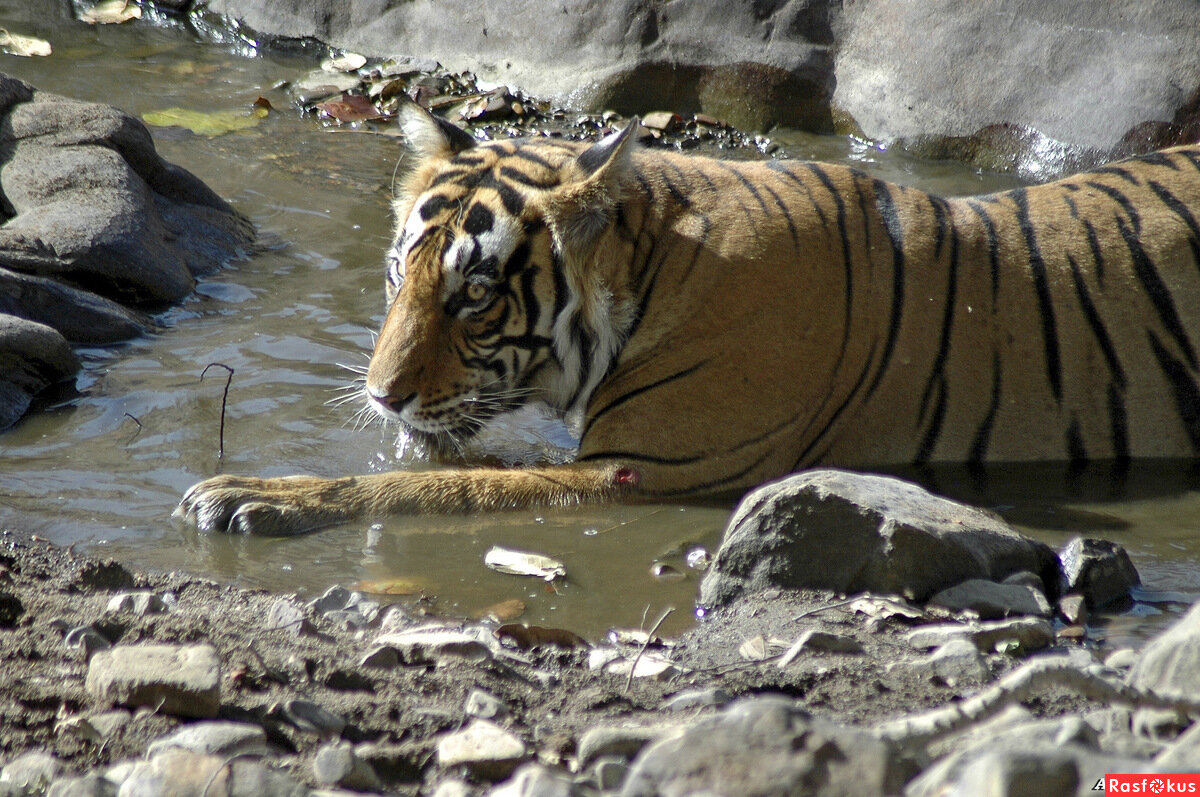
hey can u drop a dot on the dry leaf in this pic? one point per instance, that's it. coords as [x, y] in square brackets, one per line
[16, 44]
[391, 586]
[535, 636]
[111, 12]
[753, 649]
[350, 108]
[520, 563]
[502, 612]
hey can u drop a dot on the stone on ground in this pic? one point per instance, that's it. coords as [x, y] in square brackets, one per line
[183, 680]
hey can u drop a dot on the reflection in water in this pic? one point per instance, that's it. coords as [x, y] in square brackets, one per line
[289, 319]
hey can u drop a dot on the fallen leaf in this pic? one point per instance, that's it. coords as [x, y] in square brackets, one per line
[391, 586]
[502, 612]
[263, 103]
[535, 636]
[16, 44]
[753, 649]
[350, 108]
[111, 12]
[885, 608]
[214, 123]
[520, 563]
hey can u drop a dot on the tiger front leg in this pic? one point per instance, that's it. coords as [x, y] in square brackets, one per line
[297, 504]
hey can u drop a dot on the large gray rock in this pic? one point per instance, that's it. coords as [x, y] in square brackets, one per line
[1170, 665]
[767, 746]
[753, 64]
[32, 357]
[183, 680]
[848, 532]
[93, 224]
[1039, 87]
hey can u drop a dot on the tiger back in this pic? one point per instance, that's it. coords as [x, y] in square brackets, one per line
[717, 324]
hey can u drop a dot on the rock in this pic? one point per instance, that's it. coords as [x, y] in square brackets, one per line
[286, 615]
[137, 603]
[751, 66]
[33, 357]
[11, 609]
[380, 658]
[454, 788]
[990, 599]
[1100, 570]
[1170, 664]
[1021, 773]
[308, 716]
[484, 705]
[96, 728]
[178, 772]
[214, 738]
[1121, 659]
[697, 698]
[616, 740]
[1073, 608]
[336, 764]
[484, 748]
[87, 639]
[429, 643]
[812, 641]
[846, 532]
[956, 662]
[31, 773]
[1183, 753]
[610, 773]
[1024, 633]
[765, 746]
[951, 98]
[183, 680]
[537, 780]
[86, 786]
[93, 221]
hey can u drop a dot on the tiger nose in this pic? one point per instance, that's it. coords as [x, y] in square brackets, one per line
[394, 404]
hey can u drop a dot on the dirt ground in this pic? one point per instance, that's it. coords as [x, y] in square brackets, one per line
[550, 694]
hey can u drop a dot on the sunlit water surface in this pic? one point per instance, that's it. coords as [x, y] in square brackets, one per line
[289, 319]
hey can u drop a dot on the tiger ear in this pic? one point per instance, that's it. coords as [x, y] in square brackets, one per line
[429, 136]
[581, 209]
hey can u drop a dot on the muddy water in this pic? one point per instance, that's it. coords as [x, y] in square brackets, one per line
[104, 470]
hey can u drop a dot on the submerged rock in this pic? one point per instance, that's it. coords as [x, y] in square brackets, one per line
[1098, 569]
[848, 532]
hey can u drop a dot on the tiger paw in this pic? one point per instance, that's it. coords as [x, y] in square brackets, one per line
[262, 507]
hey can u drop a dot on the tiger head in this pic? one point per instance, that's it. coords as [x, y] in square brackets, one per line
[495, 292]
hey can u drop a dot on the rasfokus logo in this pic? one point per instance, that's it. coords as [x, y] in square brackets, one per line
[1151, 784]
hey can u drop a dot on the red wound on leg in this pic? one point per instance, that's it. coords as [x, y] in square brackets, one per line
[626, 477]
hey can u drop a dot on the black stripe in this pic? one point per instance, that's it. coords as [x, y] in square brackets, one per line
[983, 435]
[886, 207]
[937, 372]
[1157, 292]
[930, 438]
[701, 245]
[804, 459]
[848, 298]
[1097, 324]
[1121, 199]
[1187, 397]
[1097, 253]
[787, 216]
[1119, 171]
[1181, 210]
[640, 458]
[1159, 159]
[435, 205]
[1118, 422]
[593, 416]
[714, 485]
[525, 154]
[781, 169]
[512, 201]
[518, 176]
[1076, 451]
[1037, 268]
[749, 186]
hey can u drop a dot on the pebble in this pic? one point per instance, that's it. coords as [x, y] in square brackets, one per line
[429, 643]
[1026, 633]
[336, 764]
[992, 600]
[31, 773]
[697, 698]
[1073, 608]
[352, 610]
[139, 603]
[87, 639]
[179, 772]
[95, 727]
[485, 748]
[957, 661]
[611, 773]
[615, 740]
[812, 641]
[87, 786]
[484, 705]
[286, 615]
[308, 716]
[183, 680]
[1121, 659]
[536, 780]
[454, 788]
[380, 658]
[214, 738]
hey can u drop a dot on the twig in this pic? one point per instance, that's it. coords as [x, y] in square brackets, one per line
[646, 644]
[224, 401]
[135, 420]
[1020, 684]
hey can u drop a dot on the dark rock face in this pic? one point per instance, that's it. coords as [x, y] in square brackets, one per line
[1039, 88]
[95, 226]
[848, 532]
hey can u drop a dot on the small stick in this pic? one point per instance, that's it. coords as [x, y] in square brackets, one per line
[135, 420]
[646, 644]
[224, 401]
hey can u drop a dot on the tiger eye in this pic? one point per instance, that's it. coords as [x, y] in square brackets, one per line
[476, 291]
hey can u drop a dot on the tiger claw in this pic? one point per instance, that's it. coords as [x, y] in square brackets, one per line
[240, 505]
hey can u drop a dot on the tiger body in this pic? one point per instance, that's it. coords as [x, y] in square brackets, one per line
[718, 324]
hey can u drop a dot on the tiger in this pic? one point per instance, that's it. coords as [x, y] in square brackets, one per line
[717, 324]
